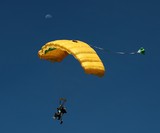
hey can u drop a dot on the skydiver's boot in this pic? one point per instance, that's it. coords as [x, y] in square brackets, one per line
[61, 121]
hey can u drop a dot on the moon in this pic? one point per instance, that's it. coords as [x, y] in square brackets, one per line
[48, 16]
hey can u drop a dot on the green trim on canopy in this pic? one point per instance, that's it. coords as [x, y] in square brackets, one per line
[50, 49]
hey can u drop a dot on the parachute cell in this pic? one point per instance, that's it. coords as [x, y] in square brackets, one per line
[56, 51]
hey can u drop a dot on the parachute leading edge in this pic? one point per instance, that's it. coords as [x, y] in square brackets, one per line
[56, 51]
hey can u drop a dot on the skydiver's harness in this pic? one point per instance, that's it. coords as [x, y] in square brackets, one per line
[61, 108]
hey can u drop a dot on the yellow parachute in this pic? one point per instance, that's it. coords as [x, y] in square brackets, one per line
[56, 51]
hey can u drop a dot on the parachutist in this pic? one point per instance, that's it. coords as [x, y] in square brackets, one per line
[60, 111]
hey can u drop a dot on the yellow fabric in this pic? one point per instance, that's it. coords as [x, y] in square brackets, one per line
[87, 56]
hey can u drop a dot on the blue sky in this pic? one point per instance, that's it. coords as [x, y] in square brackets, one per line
[125, 100]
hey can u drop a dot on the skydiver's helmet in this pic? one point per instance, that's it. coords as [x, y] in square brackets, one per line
[59, 111]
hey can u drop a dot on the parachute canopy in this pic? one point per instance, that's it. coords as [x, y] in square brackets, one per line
[141, 51]
[56, 51]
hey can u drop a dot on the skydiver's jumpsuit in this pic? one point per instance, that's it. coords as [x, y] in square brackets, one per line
[60, 111]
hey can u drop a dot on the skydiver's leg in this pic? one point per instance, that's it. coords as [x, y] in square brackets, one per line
[61, 121]
[55, 116]
[59, 116]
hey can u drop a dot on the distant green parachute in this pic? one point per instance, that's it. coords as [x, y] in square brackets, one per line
[141, 51]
